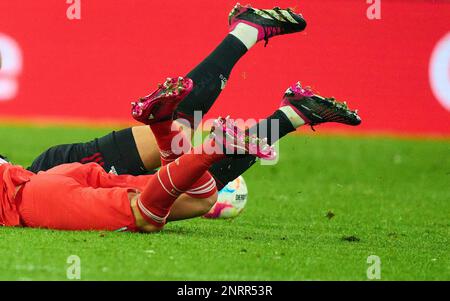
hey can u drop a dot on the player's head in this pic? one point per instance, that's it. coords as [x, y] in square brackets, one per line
[3, 160]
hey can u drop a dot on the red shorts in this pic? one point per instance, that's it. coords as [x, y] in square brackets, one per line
[79, 197]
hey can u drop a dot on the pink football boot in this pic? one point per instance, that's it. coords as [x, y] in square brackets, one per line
[236, 141]
[315, 109]
[269, 22]
[161, 104]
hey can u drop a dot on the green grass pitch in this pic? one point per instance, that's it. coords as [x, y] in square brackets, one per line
[389, 197]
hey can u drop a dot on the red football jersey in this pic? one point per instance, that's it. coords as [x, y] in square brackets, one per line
[11, 176]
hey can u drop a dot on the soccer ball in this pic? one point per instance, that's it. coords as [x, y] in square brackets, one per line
[231, 201]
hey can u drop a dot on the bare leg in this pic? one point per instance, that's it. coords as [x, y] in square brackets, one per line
[186, 207]
[147, 147]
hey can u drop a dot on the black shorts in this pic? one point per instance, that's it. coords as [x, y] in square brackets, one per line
[115, 152]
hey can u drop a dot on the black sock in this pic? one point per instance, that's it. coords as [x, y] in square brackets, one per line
[230, 168]
[209, 78]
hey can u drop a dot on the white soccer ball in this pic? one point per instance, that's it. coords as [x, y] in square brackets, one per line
[231, 201]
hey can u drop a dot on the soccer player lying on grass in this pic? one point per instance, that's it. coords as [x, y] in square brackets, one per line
[134, 151]
[79, 196]
[298, 107]
[85, 197]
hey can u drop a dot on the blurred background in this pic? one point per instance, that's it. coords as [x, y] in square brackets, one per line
[393, 64]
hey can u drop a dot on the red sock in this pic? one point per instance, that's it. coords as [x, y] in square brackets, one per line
[170, 181]
[171, 143]
[203, 188]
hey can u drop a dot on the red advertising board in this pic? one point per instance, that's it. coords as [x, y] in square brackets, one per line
[395, 69]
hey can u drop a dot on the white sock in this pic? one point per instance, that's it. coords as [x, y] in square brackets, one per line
[247, 34]
[293, 117]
